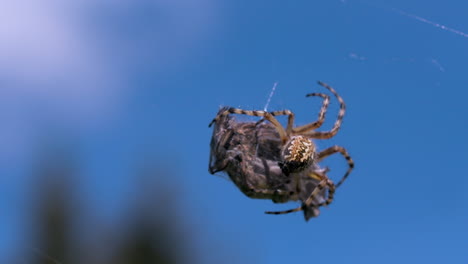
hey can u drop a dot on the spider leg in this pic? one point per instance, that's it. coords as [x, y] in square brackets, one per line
[311, 126]
[308, 202]
[321, 117]
[264, 114]
[285, 212]
[290, 115]
[331, 193]
[337, 149]
[322, 184]
[221, 113]
[339, 120]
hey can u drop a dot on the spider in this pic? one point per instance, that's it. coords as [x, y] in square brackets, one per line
[249, 153]
[298, 151]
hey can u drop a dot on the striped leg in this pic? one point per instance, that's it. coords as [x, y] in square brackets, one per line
[331, 192]
[321, 116]
[339, 120]
[221, 112]
[325, 182]
[308, 127]
[290, 115]
[264, 114]
[337, 149]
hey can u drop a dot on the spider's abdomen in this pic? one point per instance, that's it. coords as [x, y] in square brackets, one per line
[297, 154]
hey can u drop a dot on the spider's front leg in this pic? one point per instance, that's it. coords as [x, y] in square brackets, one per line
[297, 130]
[268, 116]
[338, 122]
[321, 116]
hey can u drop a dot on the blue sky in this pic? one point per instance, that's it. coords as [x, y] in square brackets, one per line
[126, 80]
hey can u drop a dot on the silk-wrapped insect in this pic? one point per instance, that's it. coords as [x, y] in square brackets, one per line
[249, 153]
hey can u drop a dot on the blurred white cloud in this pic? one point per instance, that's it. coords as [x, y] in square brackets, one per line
[68, 63]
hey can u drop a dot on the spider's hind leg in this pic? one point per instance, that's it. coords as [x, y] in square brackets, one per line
[337, 149]
[324, 182]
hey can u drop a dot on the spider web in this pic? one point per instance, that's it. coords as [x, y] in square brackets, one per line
[437, 25]
[434, 62]
[273, 89]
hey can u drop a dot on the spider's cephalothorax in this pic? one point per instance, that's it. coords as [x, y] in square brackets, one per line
[297, 154]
